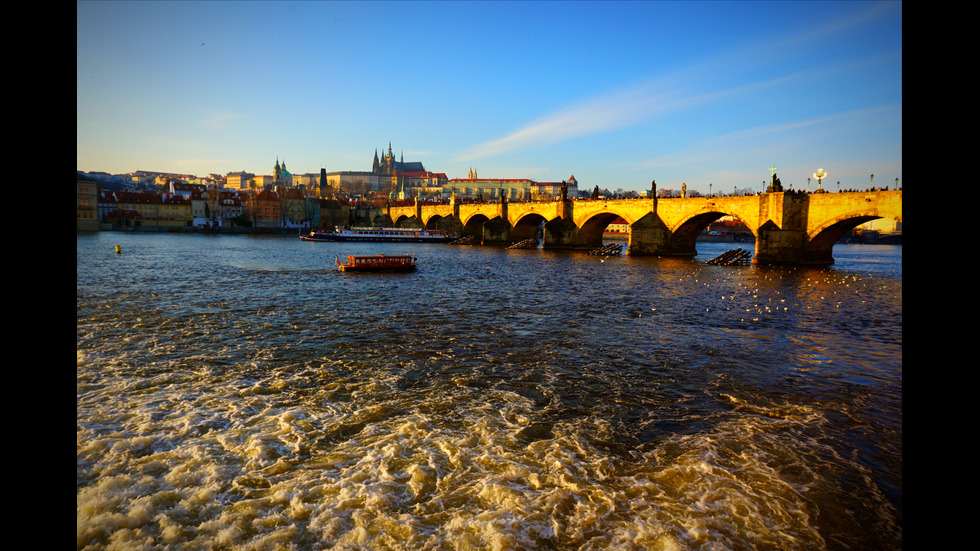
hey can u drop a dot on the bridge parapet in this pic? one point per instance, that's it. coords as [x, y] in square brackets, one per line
[547, 210]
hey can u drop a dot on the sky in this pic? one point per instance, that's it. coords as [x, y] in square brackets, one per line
[711, 94]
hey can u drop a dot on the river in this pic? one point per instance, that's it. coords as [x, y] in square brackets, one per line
[237, 392]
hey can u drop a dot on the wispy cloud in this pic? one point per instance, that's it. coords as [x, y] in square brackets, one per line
[670, 94]
[741, 143]
[734, 144]
[597, 115]
[746, 153]
[608, 112]
[217, 119]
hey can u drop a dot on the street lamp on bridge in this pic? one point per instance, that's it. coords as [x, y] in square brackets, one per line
[819, 175]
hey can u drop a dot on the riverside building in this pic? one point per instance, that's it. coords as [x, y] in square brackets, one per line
[513, 189]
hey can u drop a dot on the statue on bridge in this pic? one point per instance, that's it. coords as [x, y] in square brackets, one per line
[564, 190]
[776, 186]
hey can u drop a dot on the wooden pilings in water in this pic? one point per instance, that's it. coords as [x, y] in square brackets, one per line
[734, 257]
[607, 250]
[465, 240]
[526, 244]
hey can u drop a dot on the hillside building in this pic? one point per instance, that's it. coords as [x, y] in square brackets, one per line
[87, 203]
[238, 181]
[514, 189]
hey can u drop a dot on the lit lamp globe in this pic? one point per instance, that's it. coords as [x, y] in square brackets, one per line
[819, 175]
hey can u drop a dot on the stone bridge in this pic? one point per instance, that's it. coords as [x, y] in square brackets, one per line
[789, 228]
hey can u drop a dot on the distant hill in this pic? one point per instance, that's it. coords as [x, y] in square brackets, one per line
[113, 182]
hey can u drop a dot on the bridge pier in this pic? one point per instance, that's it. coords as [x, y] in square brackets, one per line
[789, 247]
[449, 226]
[649, 236]
[496, 232]
[562, 234]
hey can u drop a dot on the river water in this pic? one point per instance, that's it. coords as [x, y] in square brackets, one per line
[237, 392]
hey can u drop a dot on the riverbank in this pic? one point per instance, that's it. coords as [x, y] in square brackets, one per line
[232, 230]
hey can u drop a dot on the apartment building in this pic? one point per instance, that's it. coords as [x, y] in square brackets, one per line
[87, 204]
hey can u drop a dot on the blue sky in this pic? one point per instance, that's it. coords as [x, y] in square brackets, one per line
[615, 93]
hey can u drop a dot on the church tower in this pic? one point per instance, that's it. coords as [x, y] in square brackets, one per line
[384, 166]
[281, 176]
[325, 192]
[389, 164]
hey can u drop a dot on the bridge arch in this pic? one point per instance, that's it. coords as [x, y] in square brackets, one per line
[592, 228]
[432, 223]
[822, 238]
[685, 232]
[587, 210]
[526, 226]
[474, 225]
[474, 218]
[848, 221]
[369, 218]
[447, 224]
[405, 221]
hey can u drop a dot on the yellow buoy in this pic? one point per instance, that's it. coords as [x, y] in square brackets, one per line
[118, 249]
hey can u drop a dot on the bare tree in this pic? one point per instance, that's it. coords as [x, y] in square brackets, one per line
[212, 206]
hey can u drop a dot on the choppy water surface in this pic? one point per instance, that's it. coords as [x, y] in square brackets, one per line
[236, 392]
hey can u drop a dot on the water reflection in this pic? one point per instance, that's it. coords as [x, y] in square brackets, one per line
[235, 392]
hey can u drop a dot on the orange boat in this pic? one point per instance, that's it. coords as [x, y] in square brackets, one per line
[378, 263]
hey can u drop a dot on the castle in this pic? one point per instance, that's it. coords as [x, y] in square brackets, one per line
[388, 166]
